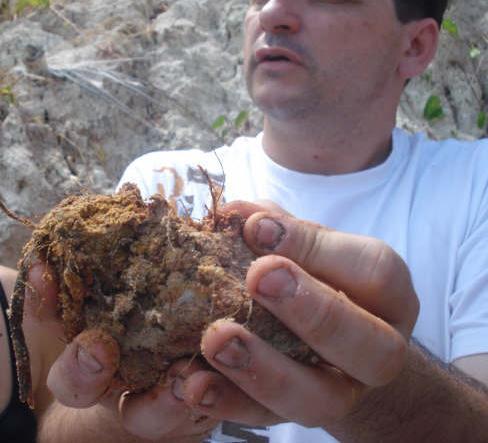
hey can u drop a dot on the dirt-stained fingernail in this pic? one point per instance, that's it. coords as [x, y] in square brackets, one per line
[269, 233]
[87, 363]
[277, 283]
[234, 354]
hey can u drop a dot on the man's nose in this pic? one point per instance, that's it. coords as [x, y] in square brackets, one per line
[280, 16]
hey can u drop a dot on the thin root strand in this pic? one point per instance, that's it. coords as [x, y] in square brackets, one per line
[13, 216]
[213, 193]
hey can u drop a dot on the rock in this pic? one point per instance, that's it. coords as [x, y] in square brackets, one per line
[458, 78]
[127, 77]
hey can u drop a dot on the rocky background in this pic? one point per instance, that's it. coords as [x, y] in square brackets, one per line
[86, 86]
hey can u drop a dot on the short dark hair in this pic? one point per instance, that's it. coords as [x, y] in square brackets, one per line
[409, 10]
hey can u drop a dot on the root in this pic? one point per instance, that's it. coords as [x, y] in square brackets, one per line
[215, 197]
[16, 314]
[15, 317]
[187, 366]
[13, 216]
[249, 312]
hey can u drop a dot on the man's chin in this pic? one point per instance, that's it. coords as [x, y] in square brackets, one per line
[281, 98]
[283, 108]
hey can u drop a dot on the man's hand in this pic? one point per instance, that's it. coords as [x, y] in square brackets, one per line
[350, 298]
[82, 377]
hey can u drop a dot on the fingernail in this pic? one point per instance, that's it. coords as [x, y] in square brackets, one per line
[269, 233]
[210, 397]
[178, 389]
[88, 364]
[277, 283]
[234, 354]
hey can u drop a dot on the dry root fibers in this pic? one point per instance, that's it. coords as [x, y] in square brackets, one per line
[150, 279]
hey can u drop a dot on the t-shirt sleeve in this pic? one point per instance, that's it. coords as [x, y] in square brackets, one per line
[133, 174]
[469, 302]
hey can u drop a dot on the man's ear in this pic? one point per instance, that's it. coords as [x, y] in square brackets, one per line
[419, 47]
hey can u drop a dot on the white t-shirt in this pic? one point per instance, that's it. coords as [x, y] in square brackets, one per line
[428, 201]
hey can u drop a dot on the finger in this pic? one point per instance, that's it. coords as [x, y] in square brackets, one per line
[212, 394]
[41, 292]
[366, 269]
[341, 332]
[84, 371]
[152, 414]
[162, 412]
[311, 396]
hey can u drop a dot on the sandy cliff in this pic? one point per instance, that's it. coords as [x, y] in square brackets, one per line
[86, 86]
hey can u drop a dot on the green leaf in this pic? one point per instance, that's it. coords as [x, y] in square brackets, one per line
[6, 92]
[241, 119]
[219, 122]
[450, 26]
[23, 4]
[433, 108]
[474, 52]
[482, 120]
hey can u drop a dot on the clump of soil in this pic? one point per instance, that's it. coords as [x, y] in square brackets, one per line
[151, 279]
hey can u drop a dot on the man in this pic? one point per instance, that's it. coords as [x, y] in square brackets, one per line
[328, 76]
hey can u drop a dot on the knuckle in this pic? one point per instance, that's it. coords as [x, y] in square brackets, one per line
[325, 319]
[380, 266]
[311, 243]
[392, 361]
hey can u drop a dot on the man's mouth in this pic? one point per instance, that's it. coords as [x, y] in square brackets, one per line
[275, 58]
[268, 54]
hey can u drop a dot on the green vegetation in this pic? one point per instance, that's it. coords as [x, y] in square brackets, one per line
[433, 108]
[6, 92]
[219, 122]
[482, 120]
[474, 52]
[223, 124]
[241, 119]
[24, 4]
[8, 13]
[4, 12]
[451, 27]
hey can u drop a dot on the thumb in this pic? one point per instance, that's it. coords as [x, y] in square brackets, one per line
[84, 371]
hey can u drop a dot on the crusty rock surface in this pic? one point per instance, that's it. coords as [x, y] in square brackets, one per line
[129, 76]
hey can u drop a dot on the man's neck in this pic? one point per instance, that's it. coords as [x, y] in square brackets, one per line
[318, 149]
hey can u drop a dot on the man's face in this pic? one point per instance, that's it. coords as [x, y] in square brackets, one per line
[305, 56]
